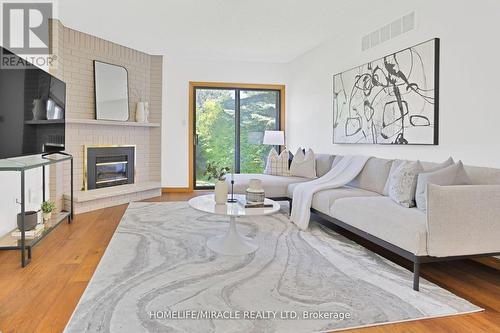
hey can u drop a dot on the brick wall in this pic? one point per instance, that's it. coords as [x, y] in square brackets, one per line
[75, 52]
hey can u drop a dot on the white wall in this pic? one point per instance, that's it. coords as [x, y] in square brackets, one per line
[177, 72]
[10, 190]
[469, 87]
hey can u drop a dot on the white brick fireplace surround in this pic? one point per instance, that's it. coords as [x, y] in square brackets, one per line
[76, 52]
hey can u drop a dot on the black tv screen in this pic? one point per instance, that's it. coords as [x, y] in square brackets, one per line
[32, 109]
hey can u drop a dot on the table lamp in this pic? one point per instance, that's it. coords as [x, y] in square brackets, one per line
[274, 138]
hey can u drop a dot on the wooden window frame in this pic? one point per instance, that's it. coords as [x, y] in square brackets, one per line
[225, 85]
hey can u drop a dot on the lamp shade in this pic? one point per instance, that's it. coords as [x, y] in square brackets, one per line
[274, 138]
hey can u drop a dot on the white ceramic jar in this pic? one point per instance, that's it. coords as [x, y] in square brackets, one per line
[221, 191]
[255, 193]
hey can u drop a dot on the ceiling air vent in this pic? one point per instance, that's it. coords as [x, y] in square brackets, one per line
[389, 31]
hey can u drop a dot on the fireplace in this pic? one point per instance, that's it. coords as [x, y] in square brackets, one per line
[108, 165]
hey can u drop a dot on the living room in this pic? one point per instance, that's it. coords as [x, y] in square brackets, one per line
[226, 166]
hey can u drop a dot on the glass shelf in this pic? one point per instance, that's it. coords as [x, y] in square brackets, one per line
[21, 164]
[31, 162]
[14, 243]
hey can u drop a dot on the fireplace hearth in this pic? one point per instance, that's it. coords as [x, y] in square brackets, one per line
[108, 165]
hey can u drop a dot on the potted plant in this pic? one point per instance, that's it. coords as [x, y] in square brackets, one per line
[213, 171]
[47, 208]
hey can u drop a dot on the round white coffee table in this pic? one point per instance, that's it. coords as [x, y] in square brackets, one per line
[232, 243]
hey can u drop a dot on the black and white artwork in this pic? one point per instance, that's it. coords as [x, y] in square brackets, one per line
[392, 100]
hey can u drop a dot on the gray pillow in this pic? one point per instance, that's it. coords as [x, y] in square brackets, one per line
[445, 164]
[402, 183]
[374, 175]
[323, 164]
[452, 175]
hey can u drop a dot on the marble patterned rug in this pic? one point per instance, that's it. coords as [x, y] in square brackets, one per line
[157, 275]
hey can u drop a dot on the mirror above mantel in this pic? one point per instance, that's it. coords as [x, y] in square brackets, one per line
[111, 92]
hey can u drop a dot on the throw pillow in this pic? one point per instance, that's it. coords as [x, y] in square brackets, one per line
[303, 165]
[395, 165]
[452, 175]
[442, 165]
[277, 165]
[403, 182]
[290, 159]
[323, 164]
[374, 175]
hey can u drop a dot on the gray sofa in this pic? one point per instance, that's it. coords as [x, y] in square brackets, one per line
[460, 221]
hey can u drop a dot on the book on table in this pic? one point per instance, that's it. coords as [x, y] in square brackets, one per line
[29, 233]
[246, 204]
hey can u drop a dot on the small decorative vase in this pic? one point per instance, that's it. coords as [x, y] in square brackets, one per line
[46, 216]
[38, 109]
[140, 113]
[146, 112]
[221, 190]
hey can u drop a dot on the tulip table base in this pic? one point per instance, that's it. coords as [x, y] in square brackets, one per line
[232, 243]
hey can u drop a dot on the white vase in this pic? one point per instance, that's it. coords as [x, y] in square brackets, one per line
[221, 190]
[146, 112]
[38, 110]
[140, 113]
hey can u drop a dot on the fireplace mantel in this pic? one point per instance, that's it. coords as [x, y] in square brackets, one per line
[111, 123]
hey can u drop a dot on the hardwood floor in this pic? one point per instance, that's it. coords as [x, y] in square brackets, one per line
[42, 296]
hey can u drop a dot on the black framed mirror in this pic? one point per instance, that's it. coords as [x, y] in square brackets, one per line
[111, 92]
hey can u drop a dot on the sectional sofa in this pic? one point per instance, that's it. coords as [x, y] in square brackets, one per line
[460, 221]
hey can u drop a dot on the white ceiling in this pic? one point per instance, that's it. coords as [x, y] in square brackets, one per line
[251, 30]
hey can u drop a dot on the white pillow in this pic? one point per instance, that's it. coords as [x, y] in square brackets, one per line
[403, 182]
[395, 165]
[303, 165]
[277, 165]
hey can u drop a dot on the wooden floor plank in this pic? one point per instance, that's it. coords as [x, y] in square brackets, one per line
[42, 296]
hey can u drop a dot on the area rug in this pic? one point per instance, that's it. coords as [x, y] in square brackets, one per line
[157, 275]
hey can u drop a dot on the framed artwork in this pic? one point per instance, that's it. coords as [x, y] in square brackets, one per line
[391, 100]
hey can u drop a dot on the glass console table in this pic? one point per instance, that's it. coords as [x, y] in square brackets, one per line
[21, 165]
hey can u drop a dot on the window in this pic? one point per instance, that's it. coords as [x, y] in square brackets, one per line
[228, 124]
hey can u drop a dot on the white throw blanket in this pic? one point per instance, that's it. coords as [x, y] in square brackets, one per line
[341, 174]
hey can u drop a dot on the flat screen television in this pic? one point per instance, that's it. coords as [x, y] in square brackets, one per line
[32, 110]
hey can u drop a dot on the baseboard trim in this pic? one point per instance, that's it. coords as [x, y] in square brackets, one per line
[176, 190]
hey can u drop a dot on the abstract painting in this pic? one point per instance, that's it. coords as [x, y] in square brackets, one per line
[392, 100]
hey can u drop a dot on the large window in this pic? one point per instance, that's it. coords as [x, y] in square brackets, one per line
[228, 127]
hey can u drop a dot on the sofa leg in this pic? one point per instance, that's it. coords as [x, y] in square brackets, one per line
[289, 207]
[416, 275]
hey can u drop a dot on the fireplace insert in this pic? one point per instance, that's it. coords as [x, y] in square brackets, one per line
[109, 166]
